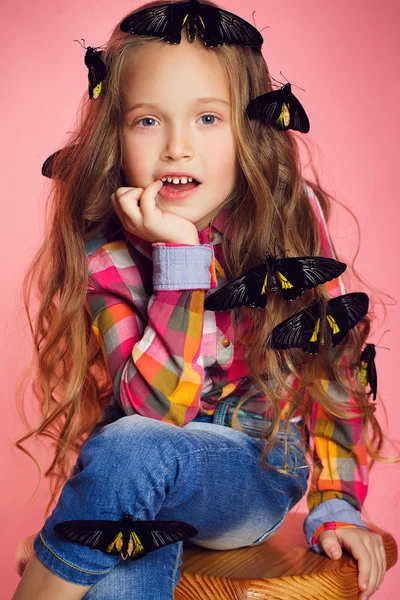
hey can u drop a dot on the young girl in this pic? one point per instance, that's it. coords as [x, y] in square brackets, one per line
[205, 423]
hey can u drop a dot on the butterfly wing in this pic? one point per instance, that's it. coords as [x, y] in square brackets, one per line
[129, 538]
[344, 312]
[298, 117]
[217, 26]
[249, 289]
[294, 275]
[95, 534]
[267, 105]
[281, 108]
[157, 533]
[165, 21]
[301, 330]
[368, 373]
[97, 71]
[48, 165]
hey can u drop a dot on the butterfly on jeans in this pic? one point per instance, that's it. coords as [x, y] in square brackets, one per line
[96, 68]
[289, 275]
[368, 374]
[303, 329]
[281, 108]
[129, 538]
[215, 25]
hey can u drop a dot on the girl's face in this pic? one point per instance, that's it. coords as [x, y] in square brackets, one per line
[177, 128]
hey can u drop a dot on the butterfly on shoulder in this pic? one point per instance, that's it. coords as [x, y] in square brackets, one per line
[303, 329]
[96, 70]
[289, 275]
[281, 108]
[215, 25]
[368, 374]
[130, 538]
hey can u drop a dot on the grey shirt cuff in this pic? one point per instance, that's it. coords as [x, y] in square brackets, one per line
[182, 267]
[336, 509]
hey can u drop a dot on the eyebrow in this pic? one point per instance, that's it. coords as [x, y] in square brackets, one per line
[207, 100]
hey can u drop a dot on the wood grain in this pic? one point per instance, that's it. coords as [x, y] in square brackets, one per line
[282, 568]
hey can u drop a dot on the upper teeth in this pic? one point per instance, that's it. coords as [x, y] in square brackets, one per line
[177, 179]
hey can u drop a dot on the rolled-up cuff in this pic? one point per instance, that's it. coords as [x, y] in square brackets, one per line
[183, 267]
[336, 509]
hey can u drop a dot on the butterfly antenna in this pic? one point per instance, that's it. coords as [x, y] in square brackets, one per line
[386, 330]
[255, 255]
[292, 83]
[122, 509]
[83, 45]
[254, 21]
[280, 82]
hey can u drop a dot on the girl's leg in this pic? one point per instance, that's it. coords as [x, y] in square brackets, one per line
[204, 474]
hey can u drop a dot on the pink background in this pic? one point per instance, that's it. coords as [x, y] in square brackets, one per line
[345, 56]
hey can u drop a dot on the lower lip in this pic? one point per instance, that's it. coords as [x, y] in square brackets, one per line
[171, 195]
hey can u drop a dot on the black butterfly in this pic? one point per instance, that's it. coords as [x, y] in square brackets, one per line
[215, 26]
[129, 538]
[97, 70]
[368, 374]
[281, 108]
[47, 167]
[302, 330]
[291, 275]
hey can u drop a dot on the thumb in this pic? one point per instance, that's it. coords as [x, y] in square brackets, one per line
[329, 543]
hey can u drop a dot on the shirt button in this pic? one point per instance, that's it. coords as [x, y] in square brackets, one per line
[211, 236]
[225, 342]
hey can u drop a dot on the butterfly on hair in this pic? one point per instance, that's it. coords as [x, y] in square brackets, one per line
[291, 276]
[368, 374]
[96, 69]
[130, 538]
[281, 108]
[214, 25]
[303, 329]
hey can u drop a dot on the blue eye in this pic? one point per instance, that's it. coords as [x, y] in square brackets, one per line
[151, 119]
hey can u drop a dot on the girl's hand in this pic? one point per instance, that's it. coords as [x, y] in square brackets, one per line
[366, 547]
[139, 214]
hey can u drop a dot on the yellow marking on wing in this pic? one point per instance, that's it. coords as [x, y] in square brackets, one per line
[363, 373]
[135, 545]
[284, 117]
[264, 287]
[97, 90]
[334, 326]
[286, 285]
[116, 543]
[314, 336]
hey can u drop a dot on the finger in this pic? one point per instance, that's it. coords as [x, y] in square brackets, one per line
[329, 543]
[382, 560]
[126, 204]
[148, 199]
[367, 570]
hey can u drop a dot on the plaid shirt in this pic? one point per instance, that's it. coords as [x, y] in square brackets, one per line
[169, 359]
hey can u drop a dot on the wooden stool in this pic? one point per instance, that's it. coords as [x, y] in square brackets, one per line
[282, 568]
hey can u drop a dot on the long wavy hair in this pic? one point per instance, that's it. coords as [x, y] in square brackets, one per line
[72, 384]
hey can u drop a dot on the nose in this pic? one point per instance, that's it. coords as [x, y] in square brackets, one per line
[178, 142]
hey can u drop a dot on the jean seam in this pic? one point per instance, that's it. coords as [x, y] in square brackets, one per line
[69, 564]
[176, 567]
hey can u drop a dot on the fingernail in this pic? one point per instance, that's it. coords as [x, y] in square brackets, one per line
[334, 554]
[364, 587]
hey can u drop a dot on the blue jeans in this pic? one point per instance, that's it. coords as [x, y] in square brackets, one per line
[205, 473]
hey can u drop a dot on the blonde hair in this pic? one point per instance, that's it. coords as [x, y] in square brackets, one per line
[72, 383]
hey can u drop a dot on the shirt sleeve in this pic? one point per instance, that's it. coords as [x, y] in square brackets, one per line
[151, 339]
[339, 480]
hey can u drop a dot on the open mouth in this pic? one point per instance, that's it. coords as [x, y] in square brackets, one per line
[180, 187]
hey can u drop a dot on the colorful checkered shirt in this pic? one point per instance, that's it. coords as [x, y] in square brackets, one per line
[170, 359]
